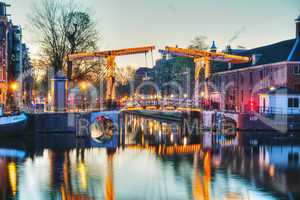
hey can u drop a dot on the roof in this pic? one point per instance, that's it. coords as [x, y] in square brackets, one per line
[143, 70]
[288, 50]
[283, 91]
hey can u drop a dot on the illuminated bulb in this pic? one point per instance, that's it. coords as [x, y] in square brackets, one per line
[272, 88]
[184, 141]
[14, 86]
[83, 85]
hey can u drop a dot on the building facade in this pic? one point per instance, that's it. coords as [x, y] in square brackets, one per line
[3, 52]
[273, 66]
[14, 59]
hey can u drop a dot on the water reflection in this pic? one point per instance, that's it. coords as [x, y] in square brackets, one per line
[157, 160]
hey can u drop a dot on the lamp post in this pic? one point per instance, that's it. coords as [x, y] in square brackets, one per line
[83, 86]
[13, 87]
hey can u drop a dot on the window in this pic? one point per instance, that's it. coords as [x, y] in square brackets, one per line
[242, 80]
[296, 70]
[261, 74]
[293, 102]
[242, 96]
[297, 87]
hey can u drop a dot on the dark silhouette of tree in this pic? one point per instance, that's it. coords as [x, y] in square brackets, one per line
[199, 43]
[63, 27]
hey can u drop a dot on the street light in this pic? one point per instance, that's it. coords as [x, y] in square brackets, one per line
[83, 86]
[202, 94]
[14, 86]
[272, 88]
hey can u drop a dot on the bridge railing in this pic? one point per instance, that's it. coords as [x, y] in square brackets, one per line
[166, 103]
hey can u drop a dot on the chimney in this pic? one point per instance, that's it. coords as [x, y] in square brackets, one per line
[297, 20]
[228, 49]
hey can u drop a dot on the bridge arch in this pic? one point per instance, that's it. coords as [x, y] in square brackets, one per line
[148, 84]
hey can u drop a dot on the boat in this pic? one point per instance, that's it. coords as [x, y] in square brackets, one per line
[12, 153]
[13, 124]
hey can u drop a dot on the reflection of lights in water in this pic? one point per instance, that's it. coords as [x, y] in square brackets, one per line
[172, 138]
[198, 192]
[168, 150]
[159, 133]
[272, 171]
[83, 176]
[217, 160]
[207, 175]
[184, 141]
[12, 172]
[109, 180]
[233, 196]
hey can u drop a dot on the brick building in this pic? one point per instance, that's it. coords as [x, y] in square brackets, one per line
[3, 52]
[273, 66]
[14, 59]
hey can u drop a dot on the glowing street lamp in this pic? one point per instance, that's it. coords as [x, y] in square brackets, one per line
[272, 88]
[14, 86]
[202, 94]
[83, 86]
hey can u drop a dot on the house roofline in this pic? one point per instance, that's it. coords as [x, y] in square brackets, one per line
[255, 67]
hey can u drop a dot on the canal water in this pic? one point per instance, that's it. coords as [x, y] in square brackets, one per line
[156, 160]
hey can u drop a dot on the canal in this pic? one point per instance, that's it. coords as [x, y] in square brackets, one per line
[156, 160]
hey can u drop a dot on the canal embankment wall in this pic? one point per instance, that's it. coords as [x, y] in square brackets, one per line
[51, 123]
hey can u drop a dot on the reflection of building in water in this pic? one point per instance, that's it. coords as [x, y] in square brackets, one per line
[207, 175]
[202, 185]
[167, 150]
[60, 165]
[74, 180]
[12, 174]
[109, 179]
[267, 167]
[139, 130]
[4, 179]
[198, 193]
[8, 179]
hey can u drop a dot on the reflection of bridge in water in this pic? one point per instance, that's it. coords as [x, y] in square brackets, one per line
[205, 170]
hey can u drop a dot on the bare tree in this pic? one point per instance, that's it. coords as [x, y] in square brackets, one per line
[125, 74]
[63, 27]
[199, 43]
[81, 34]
